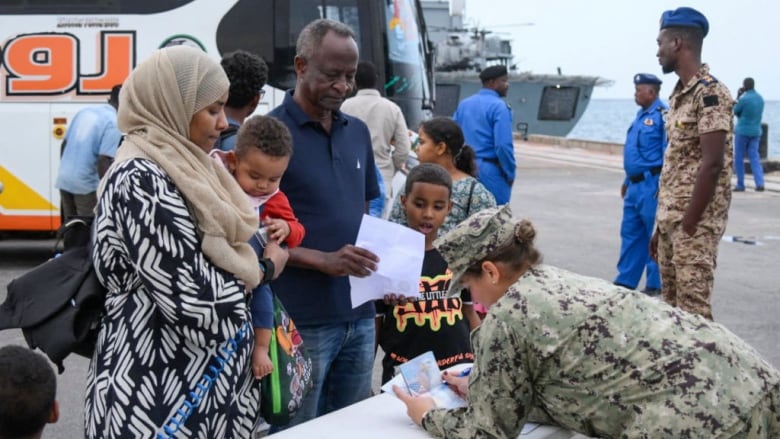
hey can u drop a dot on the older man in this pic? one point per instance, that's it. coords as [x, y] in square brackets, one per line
[695, 189]
[330, 179]
[643, 155]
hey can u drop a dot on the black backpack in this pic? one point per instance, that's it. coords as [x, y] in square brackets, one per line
[58, 304]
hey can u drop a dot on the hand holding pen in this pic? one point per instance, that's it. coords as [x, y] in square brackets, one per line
[458, 381]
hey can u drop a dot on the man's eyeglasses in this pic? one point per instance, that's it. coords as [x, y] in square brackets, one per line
[261, 92]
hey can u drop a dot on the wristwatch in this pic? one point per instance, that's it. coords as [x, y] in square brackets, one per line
[268, 268]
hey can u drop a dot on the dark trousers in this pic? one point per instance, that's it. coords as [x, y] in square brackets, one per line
[77, 204]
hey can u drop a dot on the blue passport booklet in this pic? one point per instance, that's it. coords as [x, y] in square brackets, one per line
[423, 377]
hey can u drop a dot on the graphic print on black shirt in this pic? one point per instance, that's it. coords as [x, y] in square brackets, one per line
[431, 323]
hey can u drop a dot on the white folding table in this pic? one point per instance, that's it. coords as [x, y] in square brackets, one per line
[384, 417]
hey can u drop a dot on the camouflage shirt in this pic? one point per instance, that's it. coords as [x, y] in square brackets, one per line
[701, 106]
[581, 353]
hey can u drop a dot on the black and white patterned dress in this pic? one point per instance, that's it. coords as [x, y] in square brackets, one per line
[176, 329]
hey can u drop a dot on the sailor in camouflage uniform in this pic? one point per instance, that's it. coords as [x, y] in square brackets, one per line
[579, 352]
[695, 188]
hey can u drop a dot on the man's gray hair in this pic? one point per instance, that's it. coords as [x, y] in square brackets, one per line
[312, 34]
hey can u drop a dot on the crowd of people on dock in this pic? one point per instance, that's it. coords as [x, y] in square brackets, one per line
[188, 318]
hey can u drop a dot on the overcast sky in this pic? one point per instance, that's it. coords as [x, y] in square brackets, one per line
[615, 39]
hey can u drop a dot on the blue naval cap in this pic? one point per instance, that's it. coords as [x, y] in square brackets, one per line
[492, 72]
[685, 17]
[646, 78]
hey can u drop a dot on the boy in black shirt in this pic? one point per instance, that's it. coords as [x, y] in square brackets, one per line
[430, 322]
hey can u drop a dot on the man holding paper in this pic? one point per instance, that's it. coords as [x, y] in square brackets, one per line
[329, 181]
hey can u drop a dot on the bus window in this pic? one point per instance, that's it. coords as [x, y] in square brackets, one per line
[345, 11]
[291, 17]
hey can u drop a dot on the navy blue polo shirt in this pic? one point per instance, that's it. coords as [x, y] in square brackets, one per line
[328, 182]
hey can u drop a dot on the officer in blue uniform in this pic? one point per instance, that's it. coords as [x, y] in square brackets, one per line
[642, 160]
[486, 121]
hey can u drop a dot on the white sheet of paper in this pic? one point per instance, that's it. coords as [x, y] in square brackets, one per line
[400, 251]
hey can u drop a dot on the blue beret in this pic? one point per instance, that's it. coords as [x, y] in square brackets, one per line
[646, 78]
[685, 17]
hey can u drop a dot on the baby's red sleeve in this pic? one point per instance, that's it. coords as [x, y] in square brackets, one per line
[279, 207]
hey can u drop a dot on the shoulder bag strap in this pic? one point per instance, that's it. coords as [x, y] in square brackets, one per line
[471, 192]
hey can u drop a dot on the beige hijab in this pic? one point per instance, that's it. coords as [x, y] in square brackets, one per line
[157, 103]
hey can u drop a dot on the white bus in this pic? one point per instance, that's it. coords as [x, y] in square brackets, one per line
[56, 56]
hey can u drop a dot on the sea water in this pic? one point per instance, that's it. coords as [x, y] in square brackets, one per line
[607, 120]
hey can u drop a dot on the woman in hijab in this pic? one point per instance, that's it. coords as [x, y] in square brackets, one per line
[171, 232]
[579, 352]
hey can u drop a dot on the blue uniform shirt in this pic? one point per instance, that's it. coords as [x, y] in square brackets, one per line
[646, 140]
[328, 182]
[92, 133]
[749, 109]
[486, 121]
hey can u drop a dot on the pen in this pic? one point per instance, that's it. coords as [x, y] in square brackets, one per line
[465, 372]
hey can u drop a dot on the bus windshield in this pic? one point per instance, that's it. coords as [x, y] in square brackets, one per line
[406, 71]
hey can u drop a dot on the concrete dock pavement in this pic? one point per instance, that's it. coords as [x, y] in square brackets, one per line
[610, 155]
[572, 195]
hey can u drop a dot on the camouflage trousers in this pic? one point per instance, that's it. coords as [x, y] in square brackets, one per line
[763, 421]
[687, 265]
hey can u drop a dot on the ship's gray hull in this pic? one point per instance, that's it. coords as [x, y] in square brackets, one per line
[541, 104]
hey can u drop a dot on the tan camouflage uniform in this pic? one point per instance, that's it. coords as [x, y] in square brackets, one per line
[686, 263]
[579, 352]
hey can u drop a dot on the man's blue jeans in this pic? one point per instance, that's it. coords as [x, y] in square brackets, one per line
[749, 144]
[342, 357]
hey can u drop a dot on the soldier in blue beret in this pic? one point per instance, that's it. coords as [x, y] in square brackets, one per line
[685, 17]
[643, 155]
[694, 192]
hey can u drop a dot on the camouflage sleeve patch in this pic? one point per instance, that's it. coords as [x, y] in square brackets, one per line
[716, 109]
[710, 100]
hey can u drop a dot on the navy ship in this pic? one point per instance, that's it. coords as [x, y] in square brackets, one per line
[549, 104]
